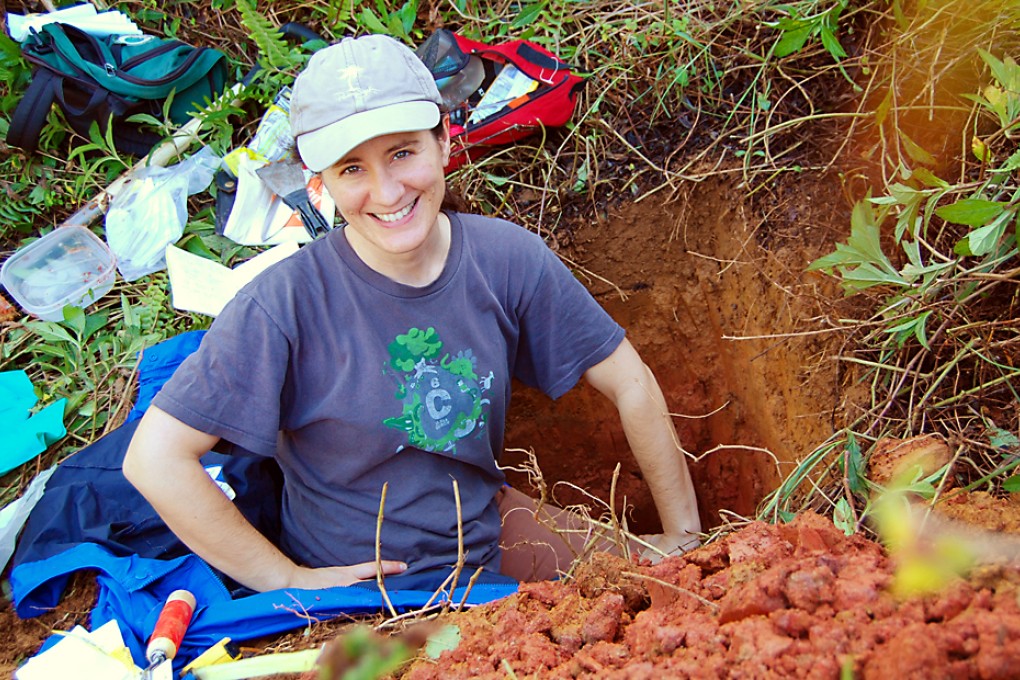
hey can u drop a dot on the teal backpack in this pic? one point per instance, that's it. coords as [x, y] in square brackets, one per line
[110, 79]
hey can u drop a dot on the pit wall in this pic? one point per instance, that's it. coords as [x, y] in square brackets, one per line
[696, 272]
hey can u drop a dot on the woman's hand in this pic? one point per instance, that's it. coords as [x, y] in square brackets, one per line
[331, 577]
[668, 545]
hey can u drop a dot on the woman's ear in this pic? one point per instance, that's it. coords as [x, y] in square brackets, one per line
[444, 141]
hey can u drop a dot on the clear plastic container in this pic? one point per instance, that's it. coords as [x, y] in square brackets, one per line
[68, 266]
[456, 89]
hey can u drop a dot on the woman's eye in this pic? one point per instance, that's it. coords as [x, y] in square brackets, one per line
[403, 153]
[350, 170]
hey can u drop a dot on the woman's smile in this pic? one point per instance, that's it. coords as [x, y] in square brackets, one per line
[393, 218]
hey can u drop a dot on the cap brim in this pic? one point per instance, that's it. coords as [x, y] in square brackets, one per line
[322, 148]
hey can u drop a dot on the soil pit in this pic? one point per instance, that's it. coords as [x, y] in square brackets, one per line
[684, 278]
[799, 600]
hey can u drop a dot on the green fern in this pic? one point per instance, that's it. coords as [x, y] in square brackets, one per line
[272, 45]
[14, 74]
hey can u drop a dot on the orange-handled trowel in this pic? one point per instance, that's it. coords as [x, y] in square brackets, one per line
[169, 631]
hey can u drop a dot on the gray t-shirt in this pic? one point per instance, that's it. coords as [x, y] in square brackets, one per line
[352, 380]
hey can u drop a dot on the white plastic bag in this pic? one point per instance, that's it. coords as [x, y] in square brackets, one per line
[15, 514]
[150, 212]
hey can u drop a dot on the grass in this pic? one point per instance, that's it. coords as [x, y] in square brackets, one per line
[930, 265]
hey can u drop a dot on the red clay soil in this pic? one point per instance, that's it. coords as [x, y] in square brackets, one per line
[21, 638]
[800, 600]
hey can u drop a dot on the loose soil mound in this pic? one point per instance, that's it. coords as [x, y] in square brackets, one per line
[800, 600]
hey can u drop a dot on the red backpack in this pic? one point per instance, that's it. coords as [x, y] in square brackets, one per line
[497, 94]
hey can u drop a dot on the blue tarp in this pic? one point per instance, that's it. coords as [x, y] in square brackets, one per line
[132, 590]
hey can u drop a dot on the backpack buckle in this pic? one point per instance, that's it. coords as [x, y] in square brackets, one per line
[111, 70]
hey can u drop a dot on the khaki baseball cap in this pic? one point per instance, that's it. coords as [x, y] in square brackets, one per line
[358, 89]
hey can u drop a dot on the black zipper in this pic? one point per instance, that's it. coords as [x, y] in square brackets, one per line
[170, 77]
[144, 56]
[90, 42]
[500, 113]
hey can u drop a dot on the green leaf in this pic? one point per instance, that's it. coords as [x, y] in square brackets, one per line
[920, 329]
[863, 246]
[408, 13]
[94, 322]
[394, 25]
[854, 462]
[973, 212]
[915, 326]
[130, 317]
[982, 241]
[915, 151]
[74, 318]
[985, 239]
[145, 119]
[1011, 484]
[786, 516]
[445, 639]
[929, 178]
[860, 260]
[496, 179]
[372, 22]
[1002, 439]
[273, 46]
[1006, 71]
[831, 43]
[792, 40]
[196, 245]
[868, 275]
[582, 177]
[528, 15]
[843, 518]
[48, 330]
[882, 110]
[1012, 163]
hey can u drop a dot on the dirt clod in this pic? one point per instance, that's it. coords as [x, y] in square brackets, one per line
[801, 600]
[900, 460]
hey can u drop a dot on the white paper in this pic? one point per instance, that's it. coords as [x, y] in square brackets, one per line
[258, 217]
[85, 17]
[15, 514]
[99, 655]
[508, 85]
[205, 287]
[215, 473]
[164, 671]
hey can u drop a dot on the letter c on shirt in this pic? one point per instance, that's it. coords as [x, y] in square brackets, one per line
[433, 400]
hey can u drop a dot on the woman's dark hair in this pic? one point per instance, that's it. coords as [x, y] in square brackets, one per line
[452, 201]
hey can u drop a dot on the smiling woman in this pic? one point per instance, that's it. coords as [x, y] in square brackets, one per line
[370, 139]
[390, 384]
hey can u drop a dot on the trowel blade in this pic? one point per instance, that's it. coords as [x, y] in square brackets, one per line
[284, 178]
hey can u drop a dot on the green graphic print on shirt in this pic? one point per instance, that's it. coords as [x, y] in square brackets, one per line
[441, 396]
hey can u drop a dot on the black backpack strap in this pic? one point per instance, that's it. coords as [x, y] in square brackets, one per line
[88, 110]
[30, 115]
[541, 60]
